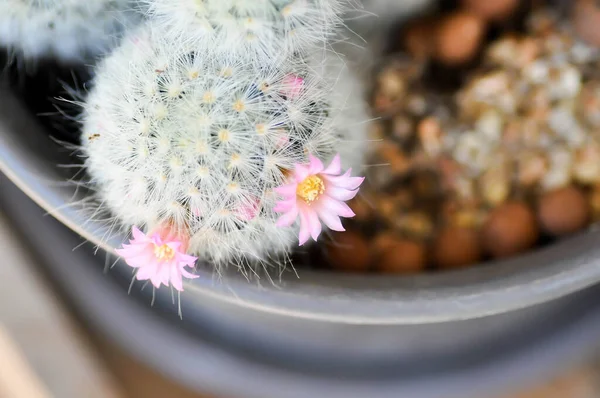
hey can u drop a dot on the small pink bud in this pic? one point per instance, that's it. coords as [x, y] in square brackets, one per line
[292, 86]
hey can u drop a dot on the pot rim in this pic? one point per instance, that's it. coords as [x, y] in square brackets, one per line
[501, 286]
[204, 365]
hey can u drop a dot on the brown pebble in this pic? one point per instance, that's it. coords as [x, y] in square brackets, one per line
[510, 229]
[586, 168]
[456, 247]
[586, 19]
[531, 168]
[467, 217]
[494, 185]
[563, 211]
[458, 37]
[398, 161]
[418, 38]
[430, 136]
[402, 128]
[425, 185]
[513, 51]
[404, 198]
[382, 242]
[361, 207]
[416, 224]
[449, 170]
[385, 206]
[391, 83]
[491, 10]
[594, 202]
[382, 104]
[403, 257]
[391, 163]
[348, 251]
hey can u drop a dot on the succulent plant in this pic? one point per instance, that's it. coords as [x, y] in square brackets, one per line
[68, 30]
[184, 134]
[254, 29]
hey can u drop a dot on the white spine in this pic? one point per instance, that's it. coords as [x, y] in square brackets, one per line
[69, 30]
[252, 29]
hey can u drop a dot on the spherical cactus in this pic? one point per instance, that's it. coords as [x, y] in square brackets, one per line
[200, 141]
[255, 29]
[69, 30]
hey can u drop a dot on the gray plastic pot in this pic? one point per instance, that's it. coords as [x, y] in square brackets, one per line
[319, 334]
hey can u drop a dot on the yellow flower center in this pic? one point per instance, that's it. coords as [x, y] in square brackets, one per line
[164, 253]
[310, 189]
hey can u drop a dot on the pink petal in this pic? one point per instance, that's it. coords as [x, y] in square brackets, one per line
[335, 167]
[344, 181]
[140, 261]
[314, 225]
[300, 173]
[137, 234]
[287, 190]
[315, 166]
[304, 229]
[174, 245]
[165, 273]
[187, 274]
[186, 259]
[288, 218]
[332, 221]
[157, 280]
[129, 251]
[334, 178]
[156, 239]
[341, 194]
[285, 205]
[147, 271]
[176, 279]
[354, 182]
[135, 251]
[332, 206]
[122, 252]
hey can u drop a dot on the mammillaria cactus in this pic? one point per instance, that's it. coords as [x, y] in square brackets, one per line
[183, 138]
[69, 30]
[258, 29]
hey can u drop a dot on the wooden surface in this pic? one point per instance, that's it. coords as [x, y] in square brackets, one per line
[42, 351]
[578, 383]
[17, 378]
[138, 380]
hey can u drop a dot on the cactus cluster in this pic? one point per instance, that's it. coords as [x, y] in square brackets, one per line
[68, 30]
[193, 134]
[259, 29]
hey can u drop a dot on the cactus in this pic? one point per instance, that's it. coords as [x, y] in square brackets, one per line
[199, 139]
[68, 30]
[254, 29]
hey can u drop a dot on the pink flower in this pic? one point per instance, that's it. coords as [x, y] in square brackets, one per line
[292, 86]
[317, 194]
[159, 257]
